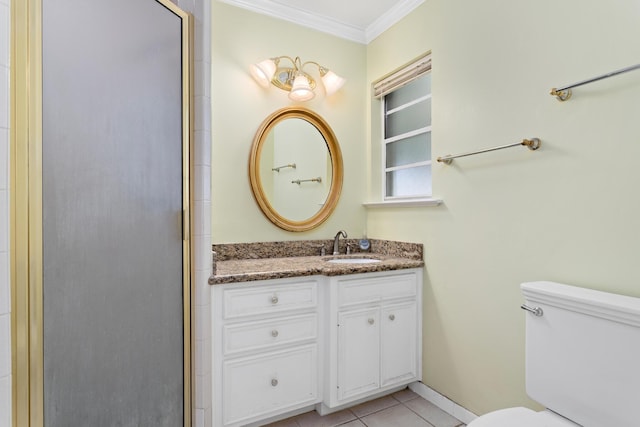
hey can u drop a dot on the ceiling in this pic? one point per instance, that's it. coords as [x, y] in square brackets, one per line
[357, 20]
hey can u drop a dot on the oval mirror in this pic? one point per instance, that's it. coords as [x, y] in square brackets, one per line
[295, 169]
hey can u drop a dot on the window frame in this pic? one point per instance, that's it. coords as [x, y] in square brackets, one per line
[385, 86]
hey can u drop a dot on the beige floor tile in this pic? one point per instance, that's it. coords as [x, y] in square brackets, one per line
[289, 422]
[396, 416]
[372, 406]
[405, 395]
[313, 419]
[354, 423]
[432, 413]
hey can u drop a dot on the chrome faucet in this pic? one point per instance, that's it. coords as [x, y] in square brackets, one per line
[336, 239]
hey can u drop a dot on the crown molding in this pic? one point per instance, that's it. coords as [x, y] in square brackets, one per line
[326, 25]
[385, 21]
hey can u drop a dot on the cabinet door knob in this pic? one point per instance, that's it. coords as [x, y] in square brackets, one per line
[274, 382]
[274, 299]
[274, 333]
[392, 317]
[370, 320]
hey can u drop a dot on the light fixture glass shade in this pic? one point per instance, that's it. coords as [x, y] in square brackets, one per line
[263, 72]
[332, 82]
[301, 89]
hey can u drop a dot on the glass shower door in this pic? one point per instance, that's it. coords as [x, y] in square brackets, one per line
[113, 199]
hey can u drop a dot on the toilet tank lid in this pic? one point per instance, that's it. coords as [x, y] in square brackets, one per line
[619, 308]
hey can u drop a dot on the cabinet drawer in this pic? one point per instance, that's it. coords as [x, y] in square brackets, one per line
[269, 299]
[264, 334]
[265, 385]
[364, 290]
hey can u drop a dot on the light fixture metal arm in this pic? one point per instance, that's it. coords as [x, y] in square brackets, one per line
[292, 78]
[323, 70]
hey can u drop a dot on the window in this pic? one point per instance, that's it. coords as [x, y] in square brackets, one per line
[406, 148]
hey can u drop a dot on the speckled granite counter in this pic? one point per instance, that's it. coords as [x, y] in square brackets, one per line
[244, 262]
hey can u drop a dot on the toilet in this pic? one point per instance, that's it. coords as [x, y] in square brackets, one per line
[582, 360]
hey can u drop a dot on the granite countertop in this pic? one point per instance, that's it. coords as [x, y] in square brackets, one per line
[247, 262]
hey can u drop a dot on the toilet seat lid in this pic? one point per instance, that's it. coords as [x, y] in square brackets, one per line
[521, 417]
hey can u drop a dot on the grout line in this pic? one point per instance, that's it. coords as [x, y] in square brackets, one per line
[398, 402]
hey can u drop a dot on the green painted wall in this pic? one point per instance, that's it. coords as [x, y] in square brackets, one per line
[568, 212]
[240, 38]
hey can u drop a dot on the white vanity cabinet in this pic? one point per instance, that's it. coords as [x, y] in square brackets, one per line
[373, 334]
[265, 349]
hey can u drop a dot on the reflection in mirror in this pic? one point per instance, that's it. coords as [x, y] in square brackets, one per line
[294, 150]
[295, 169]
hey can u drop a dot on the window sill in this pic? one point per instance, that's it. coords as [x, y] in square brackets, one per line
[403, 203]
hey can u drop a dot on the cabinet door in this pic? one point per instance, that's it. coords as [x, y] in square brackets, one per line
[358, 352]
[399, 342]
[260, 386]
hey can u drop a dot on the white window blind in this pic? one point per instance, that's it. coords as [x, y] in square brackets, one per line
[402, 76]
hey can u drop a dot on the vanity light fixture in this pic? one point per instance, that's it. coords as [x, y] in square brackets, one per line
[293, 78]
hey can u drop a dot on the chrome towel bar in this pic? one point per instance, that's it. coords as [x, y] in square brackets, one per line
[298, 181]
[531, 144]
[290, 165]
[564, 93]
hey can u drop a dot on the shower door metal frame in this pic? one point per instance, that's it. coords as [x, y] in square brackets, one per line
[25, 212]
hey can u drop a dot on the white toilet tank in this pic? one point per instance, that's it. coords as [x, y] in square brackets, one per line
[583, 354]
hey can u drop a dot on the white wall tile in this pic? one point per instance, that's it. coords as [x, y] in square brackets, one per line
[202, 287]
[4, 41]
[4, 97]
[5, 350]
[202, 183]
[5, 400]
[199, 418]
[202, 119]
[5, 302]
[203, 323]
[4, 158]
[202, 149]
[198, 218]
[206, 227]
[201, 259]
[201, 85]
[4, 218]
[203, 390]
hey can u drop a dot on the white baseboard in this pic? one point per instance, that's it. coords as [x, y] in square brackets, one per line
[442, 402]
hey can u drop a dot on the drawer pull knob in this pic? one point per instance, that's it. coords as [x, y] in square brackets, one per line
[370, 320]
[274, 382]
[274, 333]
[392, 317]
[274, 299]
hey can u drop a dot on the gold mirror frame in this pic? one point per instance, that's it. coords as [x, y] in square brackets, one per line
[336, 169]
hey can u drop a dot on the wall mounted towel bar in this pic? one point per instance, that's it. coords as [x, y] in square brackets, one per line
[564, 93]
[531, 144]
[298, 181]
[290, 165]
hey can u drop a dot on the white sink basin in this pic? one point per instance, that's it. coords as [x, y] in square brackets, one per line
[353, 260]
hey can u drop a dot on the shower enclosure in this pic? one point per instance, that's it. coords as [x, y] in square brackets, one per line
[110, 317]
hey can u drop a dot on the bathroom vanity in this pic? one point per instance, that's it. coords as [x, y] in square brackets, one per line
[266, 348]
[290, 334]
[373, 334]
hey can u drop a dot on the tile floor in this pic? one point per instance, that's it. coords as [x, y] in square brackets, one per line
[402, 409]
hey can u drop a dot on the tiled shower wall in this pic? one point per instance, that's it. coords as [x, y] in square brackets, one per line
[201, 11]
[5, 300]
